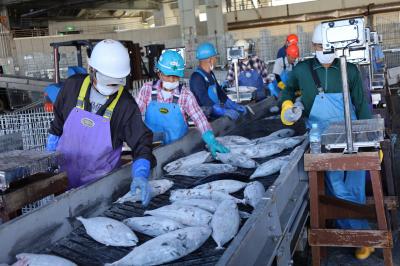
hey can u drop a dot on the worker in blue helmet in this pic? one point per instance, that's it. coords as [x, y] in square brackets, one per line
[205, 87]
[166, 103]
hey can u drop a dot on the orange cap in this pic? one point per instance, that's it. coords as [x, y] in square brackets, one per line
[293, 51]
[292, 39]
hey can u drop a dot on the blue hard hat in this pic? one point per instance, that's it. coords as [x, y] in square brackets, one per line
[205, 50]
[171, 64]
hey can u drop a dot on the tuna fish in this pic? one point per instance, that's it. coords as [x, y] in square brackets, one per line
[187, 215]
[159, 186]
[205, 204]
[109, 232]
[183, 194]
[204, 170]
[268, 149]
[253, 193]
[233, 140]
[289, 143]
[30, 259]
[250, 151]
[270, 167]
[152, 226]
[166, 248]
[236, 160]
[282, 133]
[224, 185]
[225, 222]
[195, 158]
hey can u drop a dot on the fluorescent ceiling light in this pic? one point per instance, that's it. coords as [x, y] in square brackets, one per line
[203, 16]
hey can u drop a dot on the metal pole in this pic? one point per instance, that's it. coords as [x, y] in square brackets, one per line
[346, 103]
[235, 65]
[56, 65]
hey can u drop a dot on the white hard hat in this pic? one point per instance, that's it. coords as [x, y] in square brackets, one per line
[111, 58]
[242, 43]
[317, 36]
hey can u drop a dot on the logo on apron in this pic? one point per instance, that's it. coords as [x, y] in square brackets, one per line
[248, 75]
[87, 122]
[164, 110]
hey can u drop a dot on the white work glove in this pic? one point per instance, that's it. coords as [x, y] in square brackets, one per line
[293, 114]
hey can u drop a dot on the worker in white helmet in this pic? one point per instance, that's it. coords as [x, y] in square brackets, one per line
[94, 115]
[320, 82]
[252, 71]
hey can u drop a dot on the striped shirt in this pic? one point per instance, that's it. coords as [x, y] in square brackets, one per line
[187, 103]
[253, 63]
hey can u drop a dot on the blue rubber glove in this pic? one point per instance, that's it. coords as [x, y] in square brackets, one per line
[221, 111]
[140, 174]
[52, 141]
[213, 145]
[225, 84]
[237, 107]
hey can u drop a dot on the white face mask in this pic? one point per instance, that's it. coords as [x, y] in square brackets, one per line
[211, 67]
[103, 87]
[170, 85]
[325, 58]
[166, 94]
[106, 90]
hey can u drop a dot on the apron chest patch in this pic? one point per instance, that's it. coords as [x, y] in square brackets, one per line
[164, 110]
[87, 122]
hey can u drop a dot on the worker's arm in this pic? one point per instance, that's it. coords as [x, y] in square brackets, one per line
[144, 96]
[278, 68]
[192, 108]
[292, 84]
[357, 93]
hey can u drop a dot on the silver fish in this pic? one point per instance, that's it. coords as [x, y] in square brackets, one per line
[204, 170]
[225, 222]
[236, 160]
[166, 248]
[253, 193]
[250, 151]
[42, 260]
[268, 149]
[195, 158]
[244, 215]
[233, 140]
[158, 186]
[289, 143]
[270, 167]
[187, 215]
[282, 133]
[152, 226]
[183, 194]
[205, 204]
[224, 185]
[109, 232]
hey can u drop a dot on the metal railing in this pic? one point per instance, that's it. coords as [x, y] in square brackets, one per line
[30, 33]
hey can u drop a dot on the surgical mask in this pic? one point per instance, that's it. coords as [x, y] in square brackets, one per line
[166, 94]
[170, 85]
[325, 58]
[108, 85]
[211, 67]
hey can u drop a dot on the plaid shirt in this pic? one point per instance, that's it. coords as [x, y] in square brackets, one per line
[187, 103]
[253, 63]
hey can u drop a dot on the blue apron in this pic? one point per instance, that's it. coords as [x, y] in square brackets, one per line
[285, 74]
[212, 89]
[165, 119]
[252, 78]
[348, 185]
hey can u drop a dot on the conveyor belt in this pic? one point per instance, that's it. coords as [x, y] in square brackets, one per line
[83, 250]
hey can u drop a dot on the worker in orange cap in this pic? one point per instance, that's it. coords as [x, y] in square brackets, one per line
[282, 68]
[290, 39]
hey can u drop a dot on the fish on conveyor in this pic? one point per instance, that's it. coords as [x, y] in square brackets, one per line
[282, 133]
[187, 215]
[289, 143]
[204, 170]
[205, 204]
[250, 151]
[152, 226]
[268, 149]
[166, 248]
[270, 167]
[253, 193]
[236, 160]
[30, 259]
[195, 158]
[158, 187]
[184, 194]
[225, 222]
[233, 140]
[224, 185]
[109, 232]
